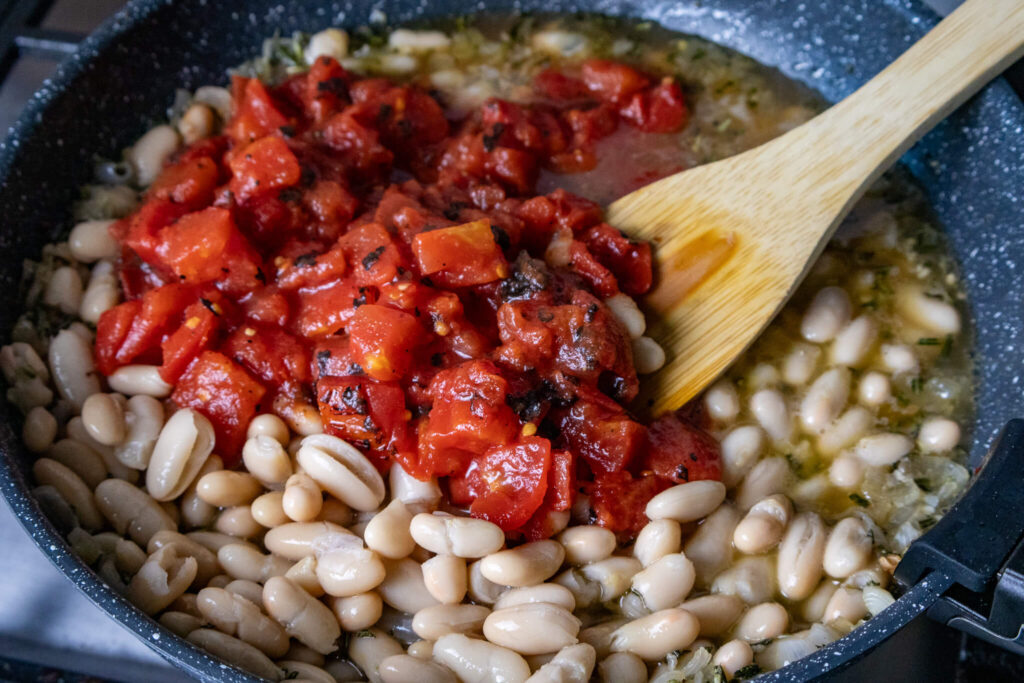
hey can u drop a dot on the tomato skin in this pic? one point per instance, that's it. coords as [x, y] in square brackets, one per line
[384, 340]
[190, 182]
[679, 452]
[513, 482]
[661, 109]
[607, 440]
[255, 114]
[225, 393]
[270, 354]
[611, 81]
[618, 501]
[324, 310]
[599, 277]
[461, 255]
[629, 261]
[111, 330]
[199, 326]
[264, 165]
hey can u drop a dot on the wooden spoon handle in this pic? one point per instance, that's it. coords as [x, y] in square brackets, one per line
[863, 135]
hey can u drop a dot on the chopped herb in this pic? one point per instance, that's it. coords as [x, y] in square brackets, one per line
[762, 643]
[860, 500]
[923, 484]
[928, 341]
[916, 385]
[749, 671]
[870, 305]
[291, 675]
[947, 346]
[927, 522]
[370, 259]
[365, 633]
[698, 54]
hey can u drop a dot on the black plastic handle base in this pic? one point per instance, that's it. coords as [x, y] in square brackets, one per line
[978, 546]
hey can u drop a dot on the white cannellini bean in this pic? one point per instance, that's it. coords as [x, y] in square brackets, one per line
[477, 661]
[532, 629]
[430, 623]
[266, 459]
[184, 444]
[357, 612]
[934, 315]
[418, 496]
[845, 603]
[134, 380]
[216, 97]
[585, 544]
[751, 579]
[733, 656]
[388, 532]
[64, 290]
[238, 616]
[648, 356]
[624, 308]
[233, 650]
[762, 528]
[763, 376]
[876, 599]
[846, 471]
[149, 154]
[769, 476]
[90, 241]
[226, 488]
[237, 521]
[342, 471]
[406, 40]
[722, 401]
[768, 406]
[268, 511]
[741, 448]
[72, 490]
[622, 667]
[309, 672]
[612, 576]
[687, 502]
[72, 368]
[407, 669]
[883, 449]
[80, 459]
[874, 389]
[39, 430]
[800, 556]
[938, 435]
[848, 549]
[525, 565]
[304, 617]
[446, 578]
[658, 538]
[103, 418]
[447, 534]
[371, 648]
[899, 358]
[550, 593]
[599, 636]
[346, 568]
[303, 573]
[403, 586]
[196, 123]
[716, 612]
[269, 425]
[302, 498]
[846, 430]
[131, 511]
[853, 343]
[163, 577]
[144, 420]
[824, 399]
[828, 312]
[813, 607]
[762, 622]
[572, 664]
[800, 363]
[481, 589]
[654, 636]
[584, 591]
[331, 42]
[665, 583]
[245, 561]
[710, 547]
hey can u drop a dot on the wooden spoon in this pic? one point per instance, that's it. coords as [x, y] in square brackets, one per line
[734, 238]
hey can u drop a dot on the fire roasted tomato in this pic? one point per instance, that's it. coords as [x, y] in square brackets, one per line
[372, 415]
[680, 452]
[619, 500]
[383, 341]
[221, 390]
[134, 329]
[205, 246]
[461, 255]
[199, 325]
[263, 166]
[255, 113]
[511, 481]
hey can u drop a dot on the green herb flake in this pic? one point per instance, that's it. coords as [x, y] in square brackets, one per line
[860, 500]
[947, 346]
[917, 385]
[928, 341]
[923, 484]
[749, 671]
[365, 633]
[291, 675]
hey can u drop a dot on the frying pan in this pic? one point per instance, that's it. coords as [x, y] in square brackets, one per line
[971, 166]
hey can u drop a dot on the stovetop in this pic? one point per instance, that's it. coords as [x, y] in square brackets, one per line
[49, 631]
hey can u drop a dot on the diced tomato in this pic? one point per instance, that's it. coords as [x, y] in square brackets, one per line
[310, 268]
[371, 415]
[264, 165]
[111, 331]
[205, 246]
[513, 482]
[332, 205]
[619, 501]
[141, 231]
[160, 312]
[199, 326]
[680, 452]
[662, 109]
[461, 255]
[552, 513]
[358, 144]
[255, 115]
[225, 393]
[469, 415]
[556, 85]
[372, 254]
[269, 354]
[608, 441]
[190, 182]
[599, 277]
[267, 305]
[628, 260]
[611, 81]
[515, 168]
[326, 88]
[326, 309]
[384, 340]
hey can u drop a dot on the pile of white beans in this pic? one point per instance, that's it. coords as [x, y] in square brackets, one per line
[306, 564]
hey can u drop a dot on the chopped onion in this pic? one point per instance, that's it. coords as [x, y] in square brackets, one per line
[877, 599]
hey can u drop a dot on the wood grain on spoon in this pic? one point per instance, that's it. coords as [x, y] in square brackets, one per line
[732, 239]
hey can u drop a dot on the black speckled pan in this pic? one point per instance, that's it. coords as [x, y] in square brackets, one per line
[124, 76]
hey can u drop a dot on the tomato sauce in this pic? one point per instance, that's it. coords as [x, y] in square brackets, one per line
[348, 247]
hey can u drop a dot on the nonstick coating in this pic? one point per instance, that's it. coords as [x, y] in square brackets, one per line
[124, 76]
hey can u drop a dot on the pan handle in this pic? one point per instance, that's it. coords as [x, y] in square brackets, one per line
[978, 545]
